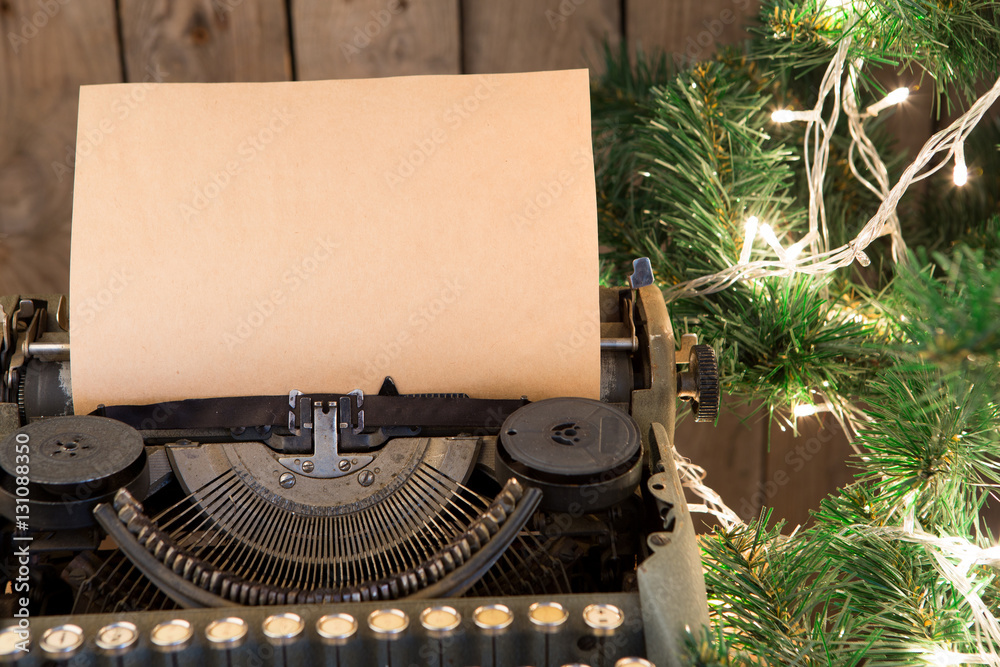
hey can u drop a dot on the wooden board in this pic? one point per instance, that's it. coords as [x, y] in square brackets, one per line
[731, 454]
[49, 49]
[799, 471]
[526, 35]
[338, 39]
[205, 40]
[688, 30]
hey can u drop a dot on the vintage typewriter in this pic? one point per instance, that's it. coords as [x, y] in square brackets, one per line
[348, 528]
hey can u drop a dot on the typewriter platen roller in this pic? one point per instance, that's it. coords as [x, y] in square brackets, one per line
[560, 518]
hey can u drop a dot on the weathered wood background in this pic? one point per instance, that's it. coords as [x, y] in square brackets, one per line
[51, 47]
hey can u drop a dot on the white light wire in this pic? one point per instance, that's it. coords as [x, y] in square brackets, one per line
[693, 477]
[942, 143]
[821, 132]
[861, 144]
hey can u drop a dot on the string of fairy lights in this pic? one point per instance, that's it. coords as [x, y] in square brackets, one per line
[947, 144]
[953, 557]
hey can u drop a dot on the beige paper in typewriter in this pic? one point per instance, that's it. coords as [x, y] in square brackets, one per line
[243, 239]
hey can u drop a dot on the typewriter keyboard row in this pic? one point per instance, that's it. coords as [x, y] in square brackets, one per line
[599, 631]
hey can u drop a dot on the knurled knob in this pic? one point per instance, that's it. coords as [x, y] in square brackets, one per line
[705, 368]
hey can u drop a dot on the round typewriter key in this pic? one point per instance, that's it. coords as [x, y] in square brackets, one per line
[634, 662]
[389, 623]
[492, 619]
[440, 621]
[283, 629]
[547, 616]
[603, 619]
[172, 635]
[336, 629]
[61, 641]
[226, 632]
[117, 638]
[11, 639]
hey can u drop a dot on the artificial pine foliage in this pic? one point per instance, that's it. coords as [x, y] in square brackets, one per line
[899, 568]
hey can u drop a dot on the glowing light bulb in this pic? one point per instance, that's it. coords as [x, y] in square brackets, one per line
[804, 410]
[895, 97]
[787, 115]
[768, 235]
[796, 249]
[941, 657]
[961, 175]
[748, 238]
[961, 172]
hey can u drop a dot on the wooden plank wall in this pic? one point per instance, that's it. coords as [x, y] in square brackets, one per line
[51, 47]
[46, 55]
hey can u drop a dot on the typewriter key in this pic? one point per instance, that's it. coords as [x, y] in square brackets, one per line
[603, 619]
[493, 619]
[547, 618]
[62, 641]
[11, 638]
[336, 629]
[440, 621]
[283, 629]
[172, 635]
[117, 638]
[226, 633]
[388, 623]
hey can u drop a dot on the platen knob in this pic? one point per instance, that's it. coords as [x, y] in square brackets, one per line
[700, 383]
